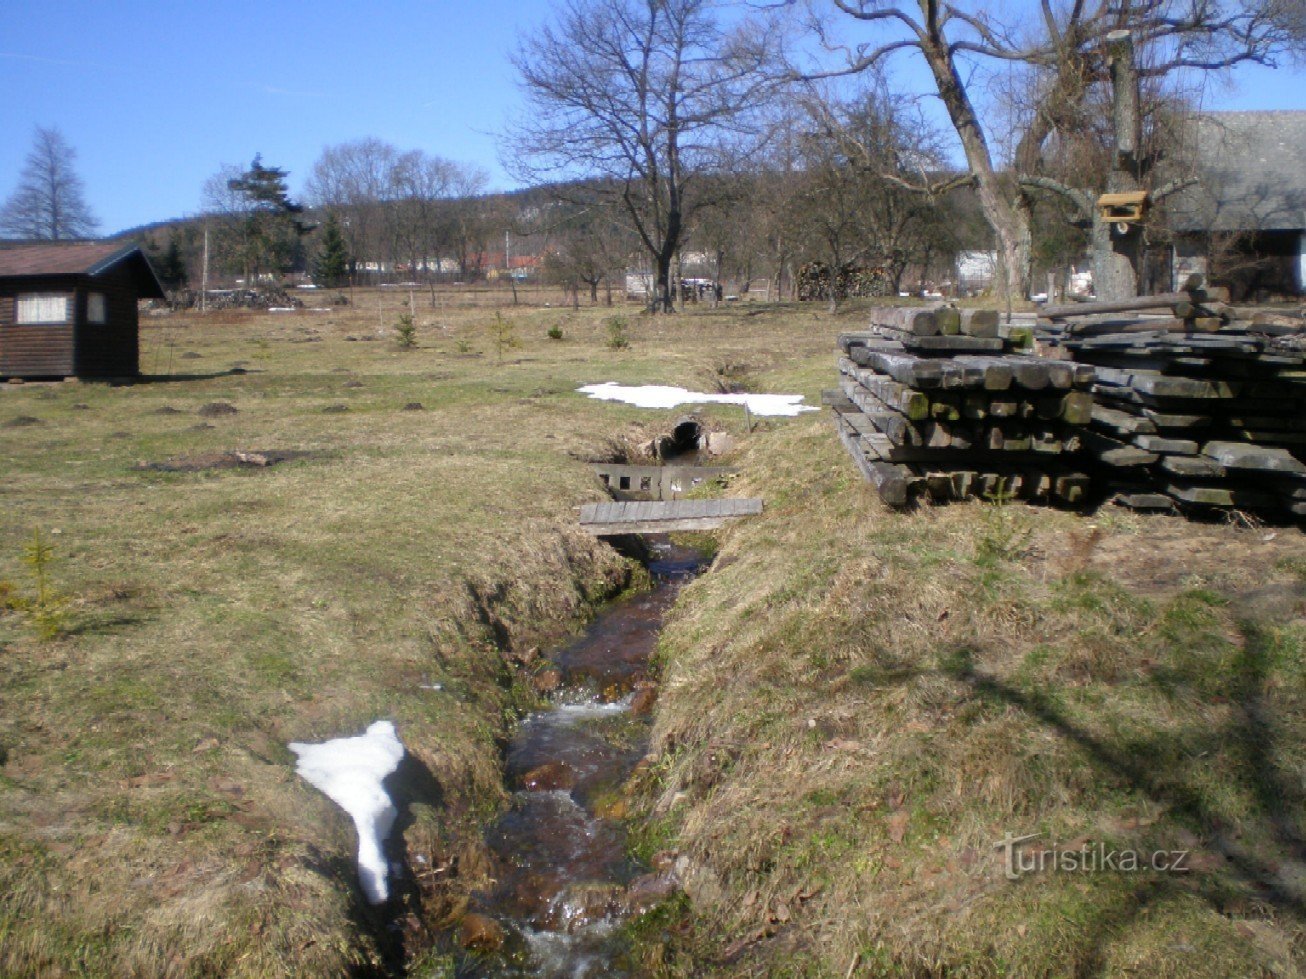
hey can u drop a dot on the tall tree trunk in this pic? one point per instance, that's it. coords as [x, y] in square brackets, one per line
[662, 302]
[1116, 249]
[1006, 209]
[1115, 260]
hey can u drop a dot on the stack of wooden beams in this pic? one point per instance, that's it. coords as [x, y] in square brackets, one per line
[933, 403]
[1194, 412]
[1194, 310]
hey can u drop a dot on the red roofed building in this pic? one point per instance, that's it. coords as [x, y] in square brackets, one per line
[69, 309]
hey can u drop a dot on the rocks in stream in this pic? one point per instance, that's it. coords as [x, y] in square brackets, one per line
[645, 696]
[649, 890]
[547, 680]
[585, 904]
[548, 777]
[480, 933]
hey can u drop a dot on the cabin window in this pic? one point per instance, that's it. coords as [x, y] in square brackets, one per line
[42, 308]
[96, 308]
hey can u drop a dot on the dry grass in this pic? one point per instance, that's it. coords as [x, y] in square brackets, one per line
[858, 704]
[150, 820]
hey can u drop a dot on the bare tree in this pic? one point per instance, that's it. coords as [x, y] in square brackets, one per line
[355, 179]
[586, 247]
[50, 201]
[1067, 53]
[468, 219]
[419, 183]
[401, 207]
[859, 156]
[646, 96]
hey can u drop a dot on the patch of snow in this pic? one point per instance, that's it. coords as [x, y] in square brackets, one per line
[658, 396]
[349, 772]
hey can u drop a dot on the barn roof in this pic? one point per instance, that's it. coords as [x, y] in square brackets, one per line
[1252, 173]
[88, 258]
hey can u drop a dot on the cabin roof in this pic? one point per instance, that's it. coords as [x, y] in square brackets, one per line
[88, 258]
[1252, 173]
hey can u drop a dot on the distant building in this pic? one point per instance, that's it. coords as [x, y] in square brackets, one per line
[1244, 223]
[975, 271]
[640, 285]
[69, 309]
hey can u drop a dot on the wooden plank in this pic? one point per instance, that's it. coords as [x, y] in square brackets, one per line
[1158, 443]
[641, 517]
[1121, 421]
[1240, 455]
[1114, 453]
[1163, 301]
[953, 344]
[979, 323]
[1192, 467]
[1219, 495]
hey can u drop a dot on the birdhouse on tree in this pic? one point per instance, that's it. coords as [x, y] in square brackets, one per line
[1123, 210]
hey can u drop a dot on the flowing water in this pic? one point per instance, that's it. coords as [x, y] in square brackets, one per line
[563, 875]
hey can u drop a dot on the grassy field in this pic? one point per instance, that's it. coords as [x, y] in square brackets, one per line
[150, 819]
[857, 704]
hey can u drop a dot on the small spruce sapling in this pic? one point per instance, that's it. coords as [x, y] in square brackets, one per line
[46, 609]
[1004, 532]
[504, 334]
[406, 331]
[617, 335]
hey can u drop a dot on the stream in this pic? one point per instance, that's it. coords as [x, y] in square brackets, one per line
[563, 876]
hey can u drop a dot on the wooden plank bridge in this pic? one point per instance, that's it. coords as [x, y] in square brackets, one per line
[663, 516]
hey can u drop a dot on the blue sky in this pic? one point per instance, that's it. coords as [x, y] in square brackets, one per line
[156, 96]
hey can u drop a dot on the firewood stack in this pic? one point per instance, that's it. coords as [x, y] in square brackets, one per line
[933, 403]
[1193, 410]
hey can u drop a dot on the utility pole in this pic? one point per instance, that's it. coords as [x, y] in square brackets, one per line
[204, 273]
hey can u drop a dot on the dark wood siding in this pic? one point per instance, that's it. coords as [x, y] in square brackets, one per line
[108, 349]
[34, 350]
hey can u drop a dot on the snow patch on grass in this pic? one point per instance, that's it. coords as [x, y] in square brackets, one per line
[349, 772]
[660, 396]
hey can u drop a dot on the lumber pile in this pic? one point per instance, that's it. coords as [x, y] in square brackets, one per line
[1193, 409]
[934, 403]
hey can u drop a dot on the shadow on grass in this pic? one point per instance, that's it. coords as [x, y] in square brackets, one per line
[411, 784]
[1268, 835]
[104, 625]
[172, 378]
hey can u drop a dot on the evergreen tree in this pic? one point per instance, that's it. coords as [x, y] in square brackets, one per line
[170, 265]
[332, 265]
[266, 234]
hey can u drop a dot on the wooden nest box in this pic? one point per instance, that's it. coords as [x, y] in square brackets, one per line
[1123, 209]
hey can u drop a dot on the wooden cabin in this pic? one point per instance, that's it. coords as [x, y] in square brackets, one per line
[70, 309]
